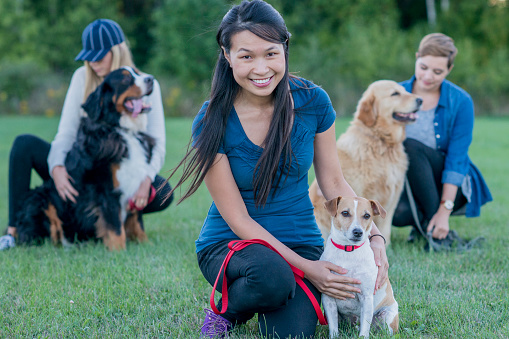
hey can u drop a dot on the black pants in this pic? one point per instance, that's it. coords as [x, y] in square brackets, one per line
[425, 178]
[30, 152]
[261, 281]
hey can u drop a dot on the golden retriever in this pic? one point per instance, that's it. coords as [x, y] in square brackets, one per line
[371, 151]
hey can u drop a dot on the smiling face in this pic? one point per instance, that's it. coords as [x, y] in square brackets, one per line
[430, 72]
[258, 65]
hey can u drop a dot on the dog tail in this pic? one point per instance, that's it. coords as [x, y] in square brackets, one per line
[32, 223]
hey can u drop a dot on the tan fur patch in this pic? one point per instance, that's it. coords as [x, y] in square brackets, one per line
[113, 241]
[114, 169]
[395, 324]
[133, 228]
[110, 239]
[56, 230]
[100, 225]
[365, 110]
[132, 91]
[389, 296]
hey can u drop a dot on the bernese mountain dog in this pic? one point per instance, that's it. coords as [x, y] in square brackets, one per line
[107, 162]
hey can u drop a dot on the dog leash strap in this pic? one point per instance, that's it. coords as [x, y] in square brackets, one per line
[224, 288]
[237, 245]
[413, 207]
[152, 194]
[316, 306]
[234, 246]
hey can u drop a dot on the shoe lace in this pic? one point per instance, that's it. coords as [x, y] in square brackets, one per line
[215, 325]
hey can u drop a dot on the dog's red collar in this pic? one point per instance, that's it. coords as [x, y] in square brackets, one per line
[347, 248]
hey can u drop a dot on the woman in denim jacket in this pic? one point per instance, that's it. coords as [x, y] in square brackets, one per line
[441, 175]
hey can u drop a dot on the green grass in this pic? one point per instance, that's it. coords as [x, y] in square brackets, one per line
[156, 290]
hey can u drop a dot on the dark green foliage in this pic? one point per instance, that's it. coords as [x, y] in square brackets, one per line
[20, 82]
[185, 39]
[19, 79]
[342, 45]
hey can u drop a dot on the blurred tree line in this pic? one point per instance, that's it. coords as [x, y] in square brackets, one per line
[341, 45]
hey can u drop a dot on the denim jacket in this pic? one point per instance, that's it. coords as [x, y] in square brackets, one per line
[454, 124]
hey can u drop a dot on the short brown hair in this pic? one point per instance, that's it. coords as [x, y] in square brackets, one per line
[440, 45]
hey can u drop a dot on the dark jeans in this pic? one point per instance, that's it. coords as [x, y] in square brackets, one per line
[425, 178]
[261, 281]
[30, 152]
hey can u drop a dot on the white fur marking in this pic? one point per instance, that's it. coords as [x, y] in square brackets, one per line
[133, 170]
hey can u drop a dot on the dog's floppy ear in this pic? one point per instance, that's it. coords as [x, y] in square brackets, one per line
[366, 111]
[94, 105]
[377, 208]
[332, 206]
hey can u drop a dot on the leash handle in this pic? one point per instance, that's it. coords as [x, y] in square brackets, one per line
[237, 245]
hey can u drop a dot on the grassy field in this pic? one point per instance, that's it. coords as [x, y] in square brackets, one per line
[155, 290]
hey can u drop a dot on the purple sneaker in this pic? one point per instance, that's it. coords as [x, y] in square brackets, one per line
[215, 326]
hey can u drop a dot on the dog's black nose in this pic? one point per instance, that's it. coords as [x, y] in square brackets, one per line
[357, 232]
[150, 79]
[419, 101]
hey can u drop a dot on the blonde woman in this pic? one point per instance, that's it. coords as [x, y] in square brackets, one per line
[104, 50]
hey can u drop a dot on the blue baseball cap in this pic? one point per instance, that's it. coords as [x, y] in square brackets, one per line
[98, 38]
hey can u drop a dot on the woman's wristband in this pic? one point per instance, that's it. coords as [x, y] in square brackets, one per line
[378, 235]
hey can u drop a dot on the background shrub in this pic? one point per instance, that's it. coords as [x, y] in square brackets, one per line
[340, 45]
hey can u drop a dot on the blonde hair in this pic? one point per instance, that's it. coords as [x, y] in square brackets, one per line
[121, 56]
[440, 45]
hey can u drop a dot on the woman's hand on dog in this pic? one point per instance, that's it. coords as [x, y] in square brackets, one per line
[329, 279]
[378, 246]
[62, 181]
[140, 198]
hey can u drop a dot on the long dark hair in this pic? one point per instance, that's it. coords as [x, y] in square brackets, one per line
[263, 20]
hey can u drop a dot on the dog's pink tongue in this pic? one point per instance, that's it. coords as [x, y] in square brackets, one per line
[136, 105]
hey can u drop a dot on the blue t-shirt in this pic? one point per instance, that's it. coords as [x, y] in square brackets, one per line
[288, 215]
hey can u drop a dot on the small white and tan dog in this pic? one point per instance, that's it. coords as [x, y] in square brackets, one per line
[348, 246]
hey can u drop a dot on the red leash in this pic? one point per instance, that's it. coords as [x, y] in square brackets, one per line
[237, 245]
